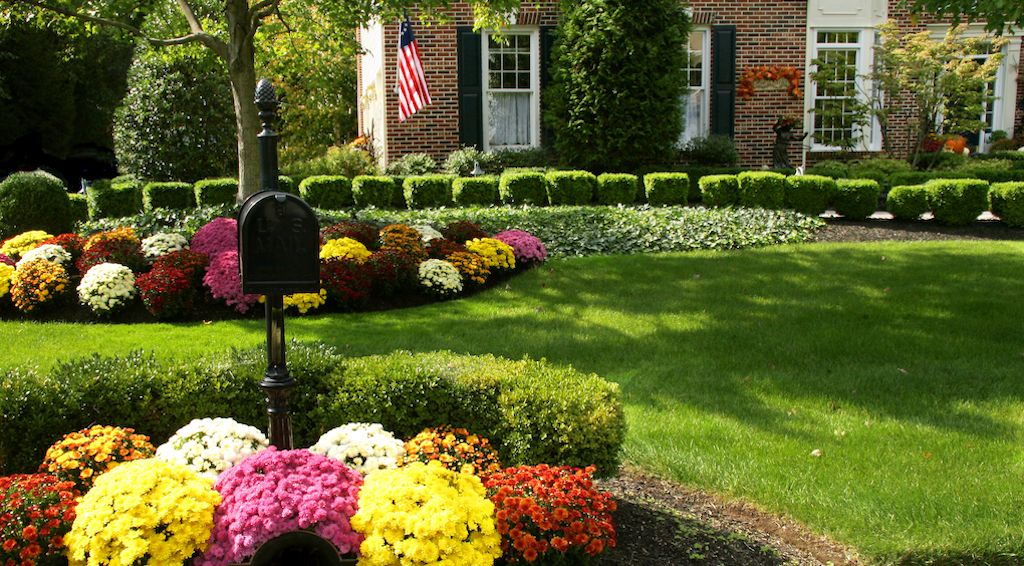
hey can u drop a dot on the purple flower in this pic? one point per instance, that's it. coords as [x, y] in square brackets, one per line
[225, 282]
[218, 236]
[294, 489]
[527, 248]
[7, 260]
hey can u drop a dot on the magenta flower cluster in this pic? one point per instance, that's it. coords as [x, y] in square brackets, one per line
[275, 492]
[225, 282]
[526, 247]
[218, 236]
[7, 260]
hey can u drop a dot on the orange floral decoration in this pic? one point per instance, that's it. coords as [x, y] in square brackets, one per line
[792, 75]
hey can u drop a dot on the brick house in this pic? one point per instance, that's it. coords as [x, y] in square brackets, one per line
[489, 95]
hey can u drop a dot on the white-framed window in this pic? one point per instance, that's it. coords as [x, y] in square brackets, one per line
[697, 99]
[511, 69]
[845, 54]
[991, 110]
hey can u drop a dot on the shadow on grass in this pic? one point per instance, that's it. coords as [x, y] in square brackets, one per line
[910, 336]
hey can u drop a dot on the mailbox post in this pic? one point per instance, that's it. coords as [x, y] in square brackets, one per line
[278, 248]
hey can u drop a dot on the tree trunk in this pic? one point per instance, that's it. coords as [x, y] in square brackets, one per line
[241, 63]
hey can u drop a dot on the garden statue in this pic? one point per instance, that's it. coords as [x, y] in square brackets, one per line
[783, 137]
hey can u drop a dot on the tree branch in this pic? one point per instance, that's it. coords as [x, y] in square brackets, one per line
[190, 16]
[213, 43]
[262, 9]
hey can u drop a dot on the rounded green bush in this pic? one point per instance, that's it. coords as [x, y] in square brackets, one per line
[214, 192]
[762, 189]
[856, 199]
[523, 187]
[168, 195]
[332, 192]
[957, 202]
[78, 208]
[617, 188]
[571, 187]
[114, 200]
[667, 188]
[475, 191]
[809, 194]
[719, 190]
[373, 190]
[428, 191]
[907, 202]
[33, 201]
[534, 412]
[1008, 202]
[830, 168]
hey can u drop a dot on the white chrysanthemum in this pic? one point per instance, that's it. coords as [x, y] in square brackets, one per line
[163, 243]
[440, 277]
[210, 446]
[49, 252]
[427, 232]
[363, 447]
[107, 287]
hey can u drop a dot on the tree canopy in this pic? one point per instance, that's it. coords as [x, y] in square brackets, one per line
[998, 15]
[230, 28]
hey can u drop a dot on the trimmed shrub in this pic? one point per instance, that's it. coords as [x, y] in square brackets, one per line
[809, 194]
[371, 190]
[1008, 203]
[570, 187]
[527, 408]
[168, 195]
[617, 188]
[462, 161]
[666, 188]
[215, 192]
[907, 202]
[286, 184]
[993, 171]
[398, 192]
[523, 187]
[344, 161]
[428, 191]
[696, 173]
[957, 202]
[475, 191]
[78, 208]
[719, 190]
[113, 200]
[332, 192]
[716, 149]
[762, 189]
[880, 169]
[33, 201]
[856, 199]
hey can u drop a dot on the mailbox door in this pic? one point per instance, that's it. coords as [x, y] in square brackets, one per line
[279, 245]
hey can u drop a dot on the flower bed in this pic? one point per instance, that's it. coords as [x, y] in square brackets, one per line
[215, 493]
[116, 274]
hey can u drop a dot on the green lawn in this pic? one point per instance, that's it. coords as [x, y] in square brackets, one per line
[902, 363]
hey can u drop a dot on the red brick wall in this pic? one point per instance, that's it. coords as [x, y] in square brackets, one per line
[435, 129]
[771, 32]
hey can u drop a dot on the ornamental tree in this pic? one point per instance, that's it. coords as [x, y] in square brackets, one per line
[229, 29]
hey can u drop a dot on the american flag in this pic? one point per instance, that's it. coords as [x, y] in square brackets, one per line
[412, 85]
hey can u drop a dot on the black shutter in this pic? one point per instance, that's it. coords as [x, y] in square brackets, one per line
[547, 42]
[471, 108]
[723, 80]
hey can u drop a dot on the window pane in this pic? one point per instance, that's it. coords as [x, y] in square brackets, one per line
[494, 62]
[523, 62]
[510, 118]
[524, 80]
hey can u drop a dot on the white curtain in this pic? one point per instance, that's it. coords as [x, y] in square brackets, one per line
[509, 118]
[693, 115]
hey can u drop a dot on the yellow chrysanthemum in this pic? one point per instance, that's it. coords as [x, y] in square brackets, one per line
[498, 254]
[23, 242]
[346, 248]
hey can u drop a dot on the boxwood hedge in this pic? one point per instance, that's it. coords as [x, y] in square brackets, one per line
[33, 201]
[571, 187]
[1008, 203]
[113, 200]
[215, 192]
[617, 188]
[907, 202]
[957, 202]
[371, 190]
[534, 412]
[667, 188]
[523, 187]
[475, 191]
[719, 190]
[762, 189]
[168, 195]
[428, 191]
[326, 191]
[856, 199]
[809, 194]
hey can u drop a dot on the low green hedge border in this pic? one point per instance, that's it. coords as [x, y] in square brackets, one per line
[856, 199]
[113, 200]
[428, 191]
[571, 187]
[719, 190]
[332, 192]
[523, 187]
[168, 195]
[762, 189]
[907, 202]
[1008, 203]
[957, 202]
[373, 190]
[809, 194]
[617, 188]
[534, 412]
[475, 191]
[216, 192]
[667, 188]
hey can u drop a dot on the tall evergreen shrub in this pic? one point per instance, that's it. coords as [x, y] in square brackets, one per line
[617, 82]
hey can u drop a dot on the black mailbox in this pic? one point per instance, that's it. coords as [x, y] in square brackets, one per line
[278, 245]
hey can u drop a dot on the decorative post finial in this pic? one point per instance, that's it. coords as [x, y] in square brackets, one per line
[266, 102]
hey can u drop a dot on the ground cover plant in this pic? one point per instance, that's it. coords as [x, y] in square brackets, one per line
[891, 359]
